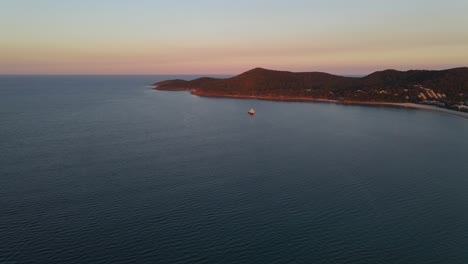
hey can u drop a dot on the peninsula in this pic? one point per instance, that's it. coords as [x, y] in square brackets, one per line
[444, 89]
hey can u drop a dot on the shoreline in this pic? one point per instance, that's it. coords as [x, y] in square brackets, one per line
[307, 99]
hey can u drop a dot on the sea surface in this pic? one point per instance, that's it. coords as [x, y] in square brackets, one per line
[103, 169]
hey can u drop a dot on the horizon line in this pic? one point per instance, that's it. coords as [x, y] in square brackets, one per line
[223, 74]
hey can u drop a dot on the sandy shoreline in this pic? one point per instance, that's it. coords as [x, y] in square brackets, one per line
[306, 99]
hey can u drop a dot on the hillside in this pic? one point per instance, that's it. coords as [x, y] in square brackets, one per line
[446, 88]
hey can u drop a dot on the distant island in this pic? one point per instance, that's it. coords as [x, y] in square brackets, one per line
[446, 89]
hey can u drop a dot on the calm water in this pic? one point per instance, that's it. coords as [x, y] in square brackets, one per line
[102, 169]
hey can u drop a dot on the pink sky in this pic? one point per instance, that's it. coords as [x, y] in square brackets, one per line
[117, 37]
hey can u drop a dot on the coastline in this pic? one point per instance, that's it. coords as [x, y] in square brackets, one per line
[307, 99]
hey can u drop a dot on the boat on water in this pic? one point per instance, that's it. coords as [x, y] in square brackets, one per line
[251, 112]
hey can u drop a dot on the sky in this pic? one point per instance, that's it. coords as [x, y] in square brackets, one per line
[229, 37]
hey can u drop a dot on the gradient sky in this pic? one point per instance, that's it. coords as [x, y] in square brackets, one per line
[229, 37]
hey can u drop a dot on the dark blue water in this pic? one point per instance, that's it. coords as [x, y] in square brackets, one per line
[102, 169]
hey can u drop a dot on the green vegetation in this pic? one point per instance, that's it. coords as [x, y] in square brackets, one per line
[446, 88]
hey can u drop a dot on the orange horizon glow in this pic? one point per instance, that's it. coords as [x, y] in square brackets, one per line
[221, 38]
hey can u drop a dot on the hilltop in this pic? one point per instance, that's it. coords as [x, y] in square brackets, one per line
[445, 88]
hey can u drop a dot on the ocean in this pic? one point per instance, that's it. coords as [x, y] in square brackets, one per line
[103, 169]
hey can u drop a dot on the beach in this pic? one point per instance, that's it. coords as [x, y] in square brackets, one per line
[308, 99]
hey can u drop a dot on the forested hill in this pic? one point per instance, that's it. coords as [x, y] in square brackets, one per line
[446, 86]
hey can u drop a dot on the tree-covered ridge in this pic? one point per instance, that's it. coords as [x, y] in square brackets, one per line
[448, 87]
